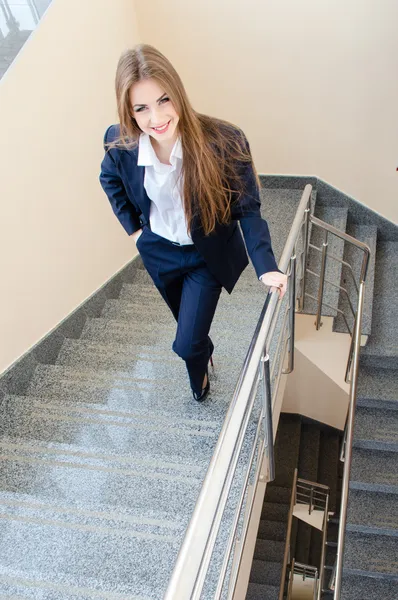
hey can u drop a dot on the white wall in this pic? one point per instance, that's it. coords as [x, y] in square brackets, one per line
[59, 240]
[313, 83]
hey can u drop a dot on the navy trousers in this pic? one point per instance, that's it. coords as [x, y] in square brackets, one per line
[191, 292]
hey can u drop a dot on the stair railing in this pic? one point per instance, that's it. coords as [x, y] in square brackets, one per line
[316, 496]
[325, 254]
[349, 431]
[351, 369]
[305, 572]
[287, 553]
[189, 574]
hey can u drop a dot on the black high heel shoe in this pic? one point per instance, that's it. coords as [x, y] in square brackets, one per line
[206, 389]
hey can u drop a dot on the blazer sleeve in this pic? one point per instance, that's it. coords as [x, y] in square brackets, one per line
[254, 228]
[113, 187]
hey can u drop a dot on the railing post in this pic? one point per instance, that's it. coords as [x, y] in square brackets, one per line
[323, 552]
[321, 281]
[348, 446]
[291, 579]
[305, 256]
[292, 314]
[267, 410]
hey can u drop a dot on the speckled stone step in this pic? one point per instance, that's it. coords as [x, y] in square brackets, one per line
[378, 388]
[258, 591]
[145, 292]
[376, 428]
[269, 550]
[130, 359]
[272, 530]
[375, 512]
[266, 572]
[371, 554]
[287, 445]
[336, 216]
[373, 470]
[275, 511]
[364, 586]
[382, 347]
[277, 493]
[114, 392]
[116, 436]
[47, 472]
[158, 312]
[353, 256]
[83, 550]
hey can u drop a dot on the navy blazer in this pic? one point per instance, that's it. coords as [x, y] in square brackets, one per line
[224, 249]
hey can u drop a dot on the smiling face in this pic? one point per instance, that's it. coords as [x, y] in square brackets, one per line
[153, 111]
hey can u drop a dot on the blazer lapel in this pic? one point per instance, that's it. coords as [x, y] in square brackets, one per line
[133, 176]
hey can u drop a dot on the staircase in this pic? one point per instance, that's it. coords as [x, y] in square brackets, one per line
[313, 449]
[104, 452]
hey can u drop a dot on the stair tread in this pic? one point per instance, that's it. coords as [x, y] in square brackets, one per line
[358, 587]
[375, 428]
[376, 511]
[374, 470]
[266, 572]
[99, 390]
[261, 591]
[382, 347]
[115, 437]
[269, 550]
[272, 530]
[354, 256]
[371, 554]
[378, 387]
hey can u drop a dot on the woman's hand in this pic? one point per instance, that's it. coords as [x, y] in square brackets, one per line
[276, 281]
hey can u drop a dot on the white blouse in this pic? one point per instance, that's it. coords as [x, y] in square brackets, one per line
[166, 216]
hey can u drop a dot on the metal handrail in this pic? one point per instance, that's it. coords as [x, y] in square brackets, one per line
[352, 365]
[349, 438]
[288, 535]
[193, 559]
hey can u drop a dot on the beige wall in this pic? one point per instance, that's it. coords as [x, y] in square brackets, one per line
[59, 240]
[313, 83]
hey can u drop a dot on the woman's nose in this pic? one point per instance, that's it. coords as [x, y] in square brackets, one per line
[156, 117]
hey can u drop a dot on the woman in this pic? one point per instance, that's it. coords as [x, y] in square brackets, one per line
[178, 181]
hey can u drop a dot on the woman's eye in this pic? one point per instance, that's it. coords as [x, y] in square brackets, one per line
[165, 99]
[139, 109]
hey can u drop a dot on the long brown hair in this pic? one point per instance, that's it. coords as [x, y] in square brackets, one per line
[215, 152]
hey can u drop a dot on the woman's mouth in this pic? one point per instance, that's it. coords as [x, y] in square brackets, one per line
[161, 129]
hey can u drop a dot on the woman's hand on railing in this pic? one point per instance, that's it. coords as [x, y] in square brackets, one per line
[277, 282]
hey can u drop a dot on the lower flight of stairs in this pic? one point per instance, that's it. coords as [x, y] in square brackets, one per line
[313, 448]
